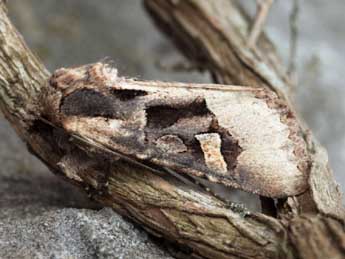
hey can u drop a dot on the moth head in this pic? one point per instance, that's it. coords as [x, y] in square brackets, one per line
[99, 73]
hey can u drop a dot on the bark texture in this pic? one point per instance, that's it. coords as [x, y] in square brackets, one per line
[212, 33]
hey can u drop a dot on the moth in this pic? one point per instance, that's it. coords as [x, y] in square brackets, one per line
[242, 137]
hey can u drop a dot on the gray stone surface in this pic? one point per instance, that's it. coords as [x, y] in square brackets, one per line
[40, 215]
[74, 233]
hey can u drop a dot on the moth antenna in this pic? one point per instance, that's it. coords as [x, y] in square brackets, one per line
[183, 179]
[200, 186]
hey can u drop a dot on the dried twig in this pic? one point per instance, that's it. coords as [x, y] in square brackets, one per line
[263, 7]
[293, 39]
[309, 226]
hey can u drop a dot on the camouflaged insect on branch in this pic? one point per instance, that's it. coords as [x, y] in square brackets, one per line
[242, 137]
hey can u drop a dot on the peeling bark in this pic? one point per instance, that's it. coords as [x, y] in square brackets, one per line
[309, 226]
[212, 35]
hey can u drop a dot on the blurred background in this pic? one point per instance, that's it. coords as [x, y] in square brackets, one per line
[72, 32]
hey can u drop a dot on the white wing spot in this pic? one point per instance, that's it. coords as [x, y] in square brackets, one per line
[210, 144]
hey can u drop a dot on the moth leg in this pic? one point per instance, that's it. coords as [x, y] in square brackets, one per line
[263, 7]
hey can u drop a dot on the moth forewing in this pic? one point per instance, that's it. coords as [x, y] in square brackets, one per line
[236, 136]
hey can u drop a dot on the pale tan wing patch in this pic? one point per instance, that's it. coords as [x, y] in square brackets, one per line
[211, 146]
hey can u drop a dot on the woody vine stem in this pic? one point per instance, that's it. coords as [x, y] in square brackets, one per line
[212, 35]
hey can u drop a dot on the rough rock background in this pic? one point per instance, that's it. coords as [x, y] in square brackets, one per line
[41, 216]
